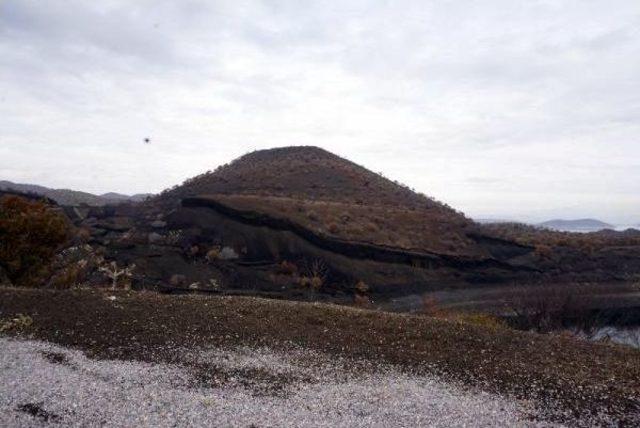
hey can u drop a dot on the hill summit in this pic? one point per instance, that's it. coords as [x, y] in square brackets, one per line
[303, 172]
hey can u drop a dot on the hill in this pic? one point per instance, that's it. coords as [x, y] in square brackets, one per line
[303, 172]
[295, 220]
[333, 197]
[300, 222]
[71, 197]
[586, 224]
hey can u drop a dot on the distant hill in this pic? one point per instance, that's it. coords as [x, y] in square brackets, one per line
[586, 224]
[71, 197]
[492, 220]
[115, 197]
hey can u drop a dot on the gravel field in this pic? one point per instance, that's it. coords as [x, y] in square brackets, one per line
[42, 384]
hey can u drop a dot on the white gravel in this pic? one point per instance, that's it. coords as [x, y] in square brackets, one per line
[62, 386]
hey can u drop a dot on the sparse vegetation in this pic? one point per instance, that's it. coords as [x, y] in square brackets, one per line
[17, 324]
[427, 229]
[546, 240]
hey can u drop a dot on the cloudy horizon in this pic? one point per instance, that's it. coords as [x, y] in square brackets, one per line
[517, 110]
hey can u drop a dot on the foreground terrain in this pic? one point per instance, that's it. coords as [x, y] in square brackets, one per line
[143, 358]
[247, 387]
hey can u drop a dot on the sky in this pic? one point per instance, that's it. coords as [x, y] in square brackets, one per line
[524, 110]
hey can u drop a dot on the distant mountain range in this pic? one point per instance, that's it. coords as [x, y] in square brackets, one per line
[73, 197]
[576, 225]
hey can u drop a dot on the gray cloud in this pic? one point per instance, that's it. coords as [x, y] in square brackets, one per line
[499, 108]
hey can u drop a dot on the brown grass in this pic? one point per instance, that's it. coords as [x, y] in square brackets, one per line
[545, 240]
[427, 229]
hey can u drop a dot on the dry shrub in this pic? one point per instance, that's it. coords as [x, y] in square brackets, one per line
[362, 287]
[19, 323]
[361, 301]
[31, 233]
[83, 235]
[68, 277]
[287, 268]
[482, 320]
[543, 251]
[430, 305]
[213, 254]
[547, 307]
[314, 275]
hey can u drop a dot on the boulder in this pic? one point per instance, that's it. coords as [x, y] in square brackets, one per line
[155, 238]
[228, 253]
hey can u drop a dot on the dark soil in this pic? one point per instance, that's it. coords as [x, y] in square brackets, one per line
[577, 378]
[56, 358]
[36, 410]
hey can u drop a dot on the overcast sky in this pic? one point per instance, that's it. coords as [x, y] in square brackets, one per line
[518, 109]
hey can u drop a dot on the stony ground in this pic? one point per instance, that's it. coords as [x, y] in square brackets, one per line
[123, 357]
[43, 384]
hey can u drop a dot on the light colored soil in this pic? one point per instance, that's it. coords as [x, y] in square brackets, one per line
[42, 383]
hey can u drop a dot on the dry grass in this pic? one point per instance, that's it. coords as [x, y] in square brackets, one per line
[546, 240]
[303, 172]
[427, 229]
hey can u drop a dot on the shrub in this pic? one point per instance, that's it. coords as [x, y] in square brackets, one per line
[18, 323]
[314, 274]
[430, 305]
[287, 268]
[213, 254]
[30, 235]
[67, 277]
[362, 287]
[361, 301]
[546, 307]
[334, 228]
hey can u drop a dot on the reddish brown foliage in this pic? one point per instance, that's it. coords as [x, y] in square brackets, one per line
[30, 234]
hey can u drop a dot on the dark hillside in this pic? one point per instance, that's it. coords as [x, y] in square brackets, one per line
[304, 172]
[332, 197]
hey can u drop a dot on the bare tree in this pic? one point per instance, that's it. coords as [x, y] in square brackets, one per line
[114, 273]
